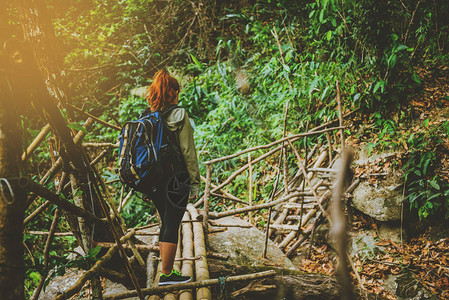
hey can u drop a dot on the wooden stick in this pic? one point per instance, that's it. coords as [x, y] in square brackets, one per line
[339, 229]
[273, 192]
[340, 116]
[250, 187]
[201, 268]
[37, 140]
[206, 198]
[229, 198]
[190, 285]
[100, 156]
[47, 233]
[329, 145]
[236, 211]
[63, 204]
[225, 193]
[230, 178]
[293, 138]
[101, 145]
[97, 119]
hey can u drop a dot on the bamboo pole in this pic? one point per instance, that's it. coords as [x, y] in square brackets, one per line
[37, 140]
[97, 119]
[250, 187]
[340, 116]
[191, 285]
[236, 211]
[292, 138]
[267, 234]
[329, 145]
[48, 233]
[100, 145]
[206, 198]
[187, 251]
[201, 268]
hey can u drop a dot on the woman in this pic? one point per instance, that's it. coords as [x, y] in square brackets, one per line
[170, 196]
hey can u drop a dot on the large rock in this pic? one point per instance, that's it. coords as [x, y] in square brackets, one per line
[382, 201]
[245, 246]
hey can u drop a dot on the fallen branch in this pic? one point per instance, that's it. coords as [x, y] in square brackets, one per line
[93, 271]
[190, 285]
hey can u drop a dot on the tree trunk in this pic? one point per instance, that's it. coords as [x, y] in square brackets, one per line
[12, 197]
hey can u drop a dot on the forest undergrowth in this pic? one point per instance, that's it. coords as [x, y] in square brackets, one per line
[241, 65]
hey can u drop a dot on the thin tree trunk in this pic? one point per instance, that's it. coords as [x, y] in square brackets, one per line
[12, 197]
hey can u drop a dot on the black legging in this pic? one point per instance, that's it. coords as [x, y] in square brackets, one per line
[170, 198]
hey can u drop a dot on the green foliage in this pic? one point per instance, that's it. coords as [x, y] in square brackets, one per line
[427, 192]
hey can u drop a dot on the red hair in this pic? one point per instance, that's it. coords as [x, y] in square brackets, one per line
[163, 91]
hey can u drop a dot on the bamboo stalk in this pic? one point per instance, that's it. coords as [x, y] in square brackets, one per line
[201, 268]
[190, 285]
[116, 215]
[35, 143]
[292, 138]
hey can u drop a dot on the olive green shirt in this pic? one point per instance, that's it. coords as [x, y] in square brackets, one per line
[178, 120]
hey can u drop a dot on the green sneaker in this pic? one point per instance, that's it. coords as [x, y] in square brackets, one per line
[173, 278]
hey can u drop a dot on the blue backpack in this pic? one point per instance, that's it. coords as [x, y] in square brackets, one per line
[146, 148]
